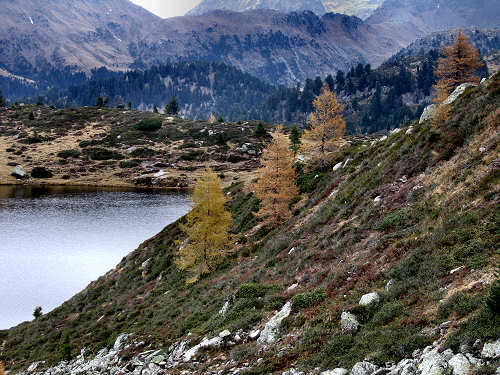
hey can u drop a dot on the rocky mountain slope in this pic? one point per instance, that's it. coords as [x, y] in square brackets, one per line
[386, 264]
[284, 6]
[359, 8]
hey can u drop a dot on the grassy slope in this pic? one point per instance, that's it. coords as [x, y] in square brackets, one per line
[179, 147]
[439, 210]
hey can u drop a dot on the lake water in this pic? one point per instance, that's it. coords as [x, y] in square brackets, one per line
[55, 241]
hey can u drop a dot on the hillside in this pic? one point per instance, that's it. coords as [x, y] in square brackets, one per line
[117, 147]
[412, 216]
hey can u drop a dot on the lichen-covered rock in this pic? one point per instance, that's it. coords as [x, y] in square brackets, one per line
[405, 367]
[457, 93]
[19, 172]
[460, 364]
[349, 323]
[337, 371]
[364, 368]
[369, 299]
[433, 363]
[491, 350]
[271, 329]
[428, 113]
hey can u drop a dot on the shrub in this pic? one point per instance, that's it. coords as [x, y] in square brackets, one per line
[38, 312]
[306, 300]
[493, 299]
[143, 153]
[387, 313]
[252, 290]
[149, 125]
[129, 164]
[460, 304]
[103, 154]
[65, 154]
[41, 172]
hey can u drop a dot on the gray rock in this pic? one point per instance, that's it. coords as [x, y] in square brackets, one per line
[254, 334]
[460, 364]
[337, 371]
[428, 113]
[337, 166]
[389, 285]
[19, 172]
[364, 368]
[405, 367]
[224, 334]
[457, 93]
[369, 298]
[491, 350]
[349, 323]
[120, 342]
[271, 329]
[433, 363]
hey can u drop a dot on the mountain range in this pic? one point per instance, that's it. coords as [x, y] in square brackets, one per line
[280, 48]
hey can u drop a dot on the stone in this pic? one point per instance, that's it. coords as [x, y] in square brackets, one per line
[377, 199]
[292, 287]
[364, 368]
[433, 363]
[337, 167]
[254, 334]
[389, 285]
[224, 334]
[405, 367]
[19, 172]
[428, 113]
[409, 131]
[460, 364]
[348, 160]
[369, 299]
[482, 149]
[120, 342]
[271, 329]
[337, 371]
[348, 323]
[457, 93]
[34, 366]
[491, 350]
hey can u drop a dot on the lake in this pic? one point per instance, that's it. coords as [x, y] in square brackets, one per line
[55, 240]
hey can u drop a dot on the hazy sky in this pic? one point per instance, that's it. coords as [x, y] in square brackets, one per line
[168, 8]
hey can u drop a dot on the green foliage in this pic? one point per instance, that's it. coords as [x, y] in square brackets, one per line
[307, 300]
[387, 313]
[172, 107]
[65, 154]
[493, 299]
[252, 290]
[38, 312]
[31, 116]
[65, 348]
[149, 125]
[295, 139]
[460, 304]
[260, 130]
[129, 164]
[103, 154]
[41, 172]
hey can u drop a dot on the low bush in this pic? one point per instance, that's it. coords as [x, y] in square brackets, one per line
[460, 304]
[103, 154]
[252, 290]
[65, 154]
[307, 300]
[149, 125]
[129, 164]
[41, 172]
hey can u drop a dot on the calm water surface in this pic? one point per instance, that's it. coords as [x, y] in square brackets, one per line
[54, 241]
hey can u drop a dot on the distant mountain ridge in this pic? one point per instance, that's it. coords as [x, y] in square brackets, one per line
[285, 6]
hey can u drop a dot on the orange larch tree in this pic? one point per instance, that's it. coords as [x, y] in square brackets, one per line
[327, 127]
[275, 185]
[459, 65]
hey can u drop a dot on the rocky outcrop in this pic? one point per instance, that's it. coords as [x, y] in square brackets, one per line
[271, 329]
[428, 113]
[369, 299]
[349, 323]
[19, 172]
[491, 351]
[457, 93]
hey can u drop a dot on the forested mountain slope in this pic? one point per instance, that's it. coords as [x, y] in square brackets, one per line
[412, 216]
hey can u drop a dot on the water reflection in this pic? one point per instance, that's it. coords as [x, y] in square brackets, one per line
[55, 240]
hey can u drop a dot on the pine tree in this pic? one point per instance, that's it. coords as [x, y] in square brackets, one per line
[295, 141]
[155, 109]
[129, 105]
[38, 312]
[207, 227]
[172, 108]
[459, 65]
[100, 102]
[327, 127]
[2, 99]
[275, 185]
[260, 130]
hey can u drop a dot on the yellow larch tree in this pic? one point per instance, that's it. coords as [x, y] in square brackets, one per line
[207, 228]
[327, 127]
[1, 369]
[459, 65]
[275, 185]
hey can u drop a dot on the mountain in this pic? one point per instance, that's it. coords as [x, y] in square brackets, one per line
[421, 17]
[36, 36]
[359, 8]
[284, 6]
[279, 48]
[386, 266]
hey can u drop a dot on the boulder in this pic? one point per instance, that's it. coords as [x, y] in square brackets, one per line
[120, 342]
[271, 329]
[491, 350]
[349, 323]
[457, 93]
[433, 363]
[19, 172]
[337, 166]
[337, 371]
[405, 367]
[460, 365]
[428, 113]
[364, 368]
[369, 299]
[254, 334]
